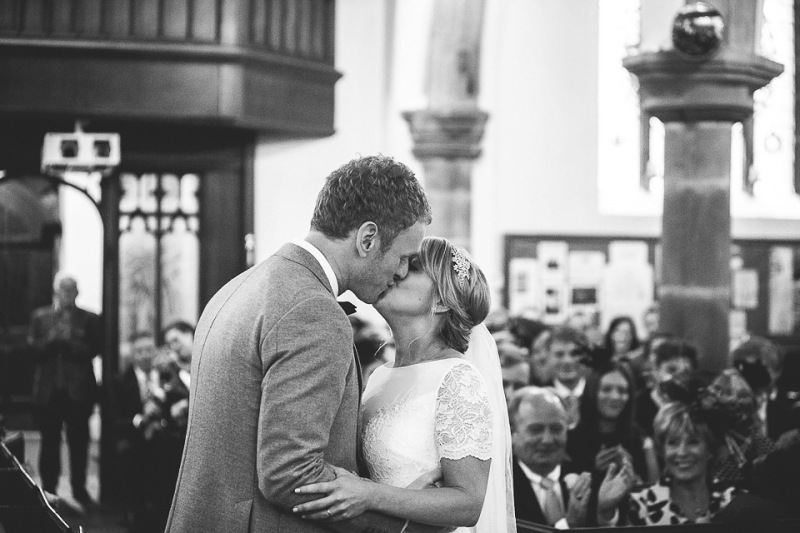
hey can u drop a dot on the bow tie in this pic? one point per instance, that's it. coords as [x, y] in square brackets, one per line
[347, 307]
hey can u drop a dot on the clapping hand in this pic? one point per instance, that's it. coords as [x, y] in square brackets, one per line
[616, 485]
[579, 501]
[608, 456]
[345, 497]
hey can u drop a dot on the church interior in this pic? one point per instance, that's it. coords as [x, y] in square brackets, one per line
[596, 157]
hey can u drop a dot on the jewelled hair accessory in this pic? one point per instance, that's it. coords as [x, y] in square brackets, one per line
[460, 265]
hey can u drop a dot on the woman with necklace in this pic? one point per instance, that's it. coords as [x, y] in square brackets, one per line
[688, 448]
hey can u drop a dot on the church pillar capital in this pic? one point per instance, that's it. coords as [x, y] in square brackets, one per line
[447, 134]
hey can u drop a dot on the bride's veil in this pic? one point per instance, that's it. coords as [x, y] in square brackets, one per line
[498, 507]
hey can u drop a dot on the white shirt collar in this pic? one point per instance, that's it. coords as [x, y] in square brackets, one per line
[535, 478]
[323, 262]
[562, 390]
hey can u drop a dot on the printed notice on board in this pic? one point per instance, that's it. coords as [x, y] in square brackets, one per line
[781, 290]
[524, 289]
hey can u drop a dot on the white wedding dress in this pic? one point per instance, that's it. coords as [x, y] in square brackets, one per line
[415, 415]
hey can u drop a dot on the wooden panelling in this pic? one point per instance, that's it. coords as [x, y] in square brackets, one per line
[297, 28]
[146, 19]
[205, 20]
[258, 22]
[176, 19]
[89, 18]
[116, 21]
[33, 17]
[255, 64]
[63, 18]
[275, 24]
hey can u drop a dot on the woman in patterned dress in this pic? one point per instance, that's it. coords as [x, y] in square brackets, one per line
[684, 495]
[437, 413]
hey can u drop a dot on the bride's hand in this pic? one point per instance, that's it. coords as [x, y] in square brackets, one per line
[428, 480]
[343, 498]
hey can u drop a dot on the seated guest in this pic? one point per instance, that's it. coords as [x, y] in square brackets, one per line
[532, 336]
[760, 363]
[688, 448]
[621, 340]
[606, 430]
[515, 370]
[541, 361]
[547, 489]
[672, 358]
[649, 347]
[567, 348]
[732, 410]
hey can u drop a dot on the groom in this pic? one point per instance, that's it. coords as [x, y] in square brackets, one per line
[275, 385]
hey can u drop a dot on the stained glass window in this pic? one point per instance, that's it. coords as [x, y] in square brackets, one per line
[159, 253]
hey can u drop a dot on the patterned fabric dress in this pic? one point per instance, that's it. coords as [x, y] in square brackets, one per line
[415, 415]
[653, 506]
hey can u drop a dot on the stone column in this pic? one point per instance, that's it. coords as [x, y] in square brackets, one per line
[699, 99]
[447, 134]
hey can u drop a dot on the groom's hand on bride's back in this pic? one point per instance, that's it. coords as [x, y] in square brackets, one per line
[428, 480]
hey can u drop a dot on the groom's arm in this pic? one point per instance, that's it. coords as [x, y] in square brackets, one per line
[306, 356]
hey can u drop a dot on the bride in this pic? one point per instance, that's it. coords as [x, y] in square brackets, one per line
[437, 414]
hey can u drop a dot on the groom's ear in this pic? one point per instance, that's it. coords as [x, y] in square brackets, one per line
[367, 238]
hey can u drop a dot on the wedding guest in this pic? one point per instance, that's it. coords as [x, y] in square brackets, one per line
[515, 370]
[649, 347]
[131, 394]
[687, 447]
[64, 340]
[567, 348]
[651, 320]
[166, 417]
[548, 489]
[541, 360]
[607, 430]
[622, 343]
[179, 336]
[732, 410]
[760, 362]
[672, 358]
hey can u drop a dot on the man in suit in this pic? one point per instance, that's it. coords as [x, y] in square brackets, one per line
[64, 340]
[547, 489]
[131, 395]
[275, 383]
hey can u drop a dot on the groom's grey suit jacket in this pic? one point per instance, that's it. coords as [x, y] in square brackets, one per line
[274, 401]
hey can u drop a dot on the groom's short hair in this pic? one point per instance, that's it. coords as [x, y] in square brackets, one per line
[372, 188]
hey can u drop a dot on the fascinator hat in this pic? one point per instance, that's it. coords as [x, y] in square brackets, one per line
[725, 403]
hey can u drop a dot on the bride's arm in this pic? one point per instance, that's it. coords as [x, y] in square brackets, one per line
[457, 502]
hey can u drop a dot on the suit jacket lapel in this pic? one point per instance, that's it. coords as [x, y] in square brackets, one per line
[526, 504]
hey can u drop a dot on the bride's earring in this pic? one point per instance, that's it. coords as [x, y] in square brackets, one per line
[440, 308]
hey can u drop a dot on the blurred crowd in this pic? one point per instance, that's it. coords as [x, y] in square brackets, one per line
[152, 404]
[702, 446]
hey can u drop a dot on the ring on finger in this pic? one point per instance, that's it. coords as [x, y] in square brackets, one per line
[328, 513]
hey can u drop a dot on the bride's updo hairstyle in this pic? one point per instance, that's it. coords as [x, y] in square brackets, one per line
[460, 286]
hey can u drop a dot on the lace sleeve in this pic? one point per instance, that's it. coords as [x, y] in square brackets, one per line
[463, 415]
